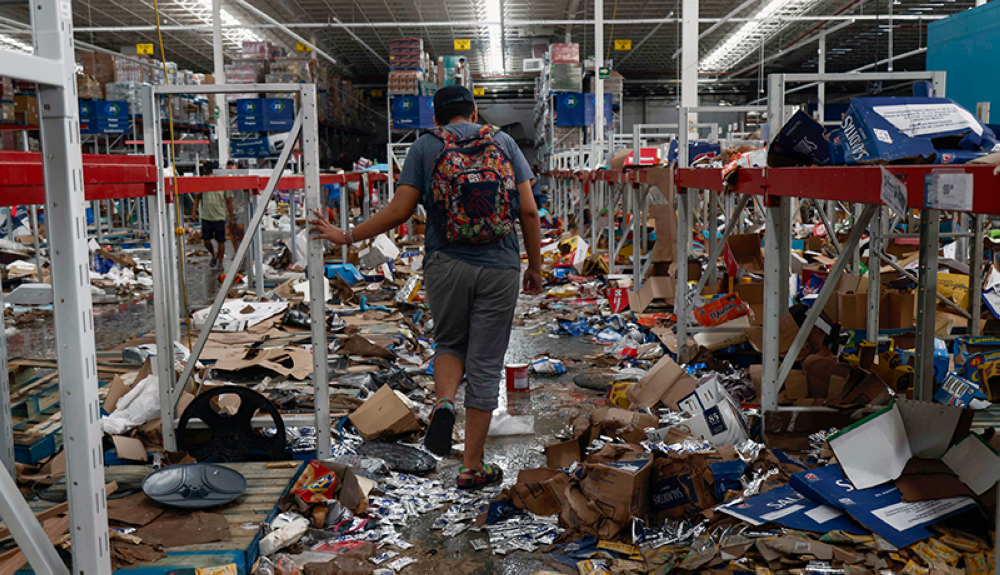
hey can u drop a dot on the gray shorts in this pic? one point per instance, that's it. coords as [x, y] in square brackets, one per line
[473, 310]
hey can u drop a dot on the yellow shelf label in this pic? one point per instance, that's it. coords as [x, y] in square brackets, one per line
[463, 44]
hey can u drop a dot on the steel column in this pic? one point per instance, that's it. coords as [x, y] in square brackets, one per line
[874, 273]
[683, 246]
[218, 60]
[291, 219]
[59, 129]
[712, 230]
[923, 383]
[976, 276]
[258, 247]
[317, 278]
[774, 307]
[37, 241]
[159, 239]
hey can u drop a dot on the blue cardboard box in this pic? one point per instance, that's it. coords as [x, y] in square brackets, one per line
[412, 112]
[877, 130]
[800, 142]
[696, 150]
[576, 109]
[346, 272]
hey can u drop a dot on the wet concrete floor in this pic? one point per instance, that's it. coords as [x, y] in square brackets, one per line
[553, 401]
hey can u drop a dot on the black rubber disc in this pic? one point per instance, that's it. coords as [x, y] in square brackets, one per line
[233, 437]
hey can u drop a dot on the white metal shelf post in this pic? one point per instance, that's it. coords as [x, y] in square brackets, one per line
[54, 70]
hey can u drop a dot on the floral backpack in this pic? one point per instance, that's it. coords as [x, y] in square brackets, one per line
[472, 185]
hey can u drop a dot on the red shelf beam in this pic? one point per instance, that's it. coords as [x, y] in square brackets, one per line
[105, 177]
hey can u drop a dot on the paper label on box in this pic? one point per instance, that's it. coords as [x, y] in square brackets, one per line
[903, 516]
[923, 119]
[882, 135]
[893, 192]
[948, 191]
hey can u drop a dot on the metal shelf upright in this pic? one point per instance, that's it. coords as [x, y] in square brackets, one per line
[53, 68]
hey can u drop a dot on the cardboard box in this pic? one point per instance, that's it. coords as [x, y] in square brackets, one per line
[667, 383]
[746, 250]
[26, 109]
[902, 312]
[658, 288]
[384, 415]
[620, 489]
[848, 283]
[753, 296]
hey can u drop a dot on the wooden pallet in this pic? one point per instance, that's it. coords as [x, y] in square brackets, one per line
[255, 508]
[37, 420]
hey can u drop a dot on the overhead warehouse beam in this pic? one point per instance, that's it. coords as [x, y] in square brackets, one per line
[510, 23]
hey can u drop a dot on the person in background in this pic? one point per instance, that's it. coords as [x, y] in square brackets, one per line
[214, 206]
[238, 217]
[471, 282]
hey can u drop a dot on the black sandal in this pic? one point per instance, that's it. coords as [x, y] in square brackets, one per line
[438, 438]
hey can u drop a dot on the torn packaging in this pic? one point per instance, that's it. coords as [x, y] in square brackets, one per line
[384, 415]
[348, 491]
[628, 425]
[678, 485]
[667, 383]
[540, 491]
[878, 448]
[791, 509]
[880, 509]
[358, 345]
[620, 490]
[290, 361]
[746, 250]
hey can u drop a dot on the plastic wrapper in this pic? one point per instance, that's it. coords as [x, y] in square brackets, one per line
[548, 366]
[320, 484]
[721, 310]
[140, 405]
[607, 336]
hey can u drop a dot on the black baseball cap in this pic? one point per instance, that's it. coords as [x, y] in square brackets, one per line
[452, 95]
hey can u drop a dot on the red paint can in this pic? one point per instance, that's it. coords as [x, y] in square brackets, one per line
[517, 377]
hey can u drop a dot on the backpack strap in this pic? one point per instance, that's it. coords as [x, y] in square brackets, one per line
[444, 135]
[488, 130]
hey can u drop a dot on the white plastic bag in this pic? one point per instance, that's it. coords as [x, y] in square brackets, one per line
[507, 424]
[138, 406]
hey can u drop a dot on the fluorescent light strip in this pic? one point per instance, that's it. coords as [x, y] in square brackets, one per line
[748, 37]
[202, 9]
[494, 54]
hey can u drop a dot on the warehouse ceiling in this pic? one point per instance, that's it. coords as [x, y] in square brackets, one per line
[730, 51]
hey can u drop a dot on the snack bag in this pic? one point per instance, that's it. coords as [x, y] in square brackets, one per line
[721, 310]
[318, 484]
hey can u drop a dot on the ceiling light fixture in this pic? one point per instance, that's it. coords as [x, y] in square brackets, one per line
[202, 10]
[494, 53]
[749, 36]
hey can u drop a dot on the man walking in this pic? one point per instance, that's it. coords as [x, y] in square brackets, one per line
[474, 182]
[214, 207]
[238, 215]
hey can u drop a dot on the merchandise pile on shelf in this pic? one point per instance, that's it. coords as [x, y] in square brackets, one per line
[412, 71]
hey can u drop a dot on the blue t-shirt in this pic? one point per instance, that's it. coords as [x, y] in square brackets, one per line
[504, 253]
